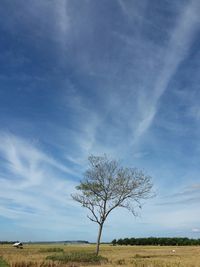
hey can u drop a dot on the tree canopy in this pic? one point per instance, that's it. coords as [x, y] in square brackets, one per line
[107, 185]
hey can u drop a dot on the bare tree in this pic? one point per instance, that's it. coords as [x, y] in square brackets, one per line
[107, 185]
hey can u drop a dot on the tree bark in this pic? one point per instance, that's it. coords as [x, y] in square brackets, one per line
[99, 238]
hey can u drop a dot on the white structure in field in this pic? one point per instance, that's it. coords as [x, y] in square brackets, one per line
[18, 245]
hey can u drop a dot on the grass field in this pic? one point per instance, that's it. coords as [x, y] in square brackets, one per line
[135, 256]
[3, 263]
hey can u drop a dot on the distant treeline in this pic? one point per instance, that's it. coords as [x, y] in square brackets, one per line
[48, 242]
[8, 242]
[157, 241]
[59, 242]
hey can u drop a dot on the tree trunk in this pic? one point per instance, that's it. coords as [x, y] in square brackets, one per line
[99, 238]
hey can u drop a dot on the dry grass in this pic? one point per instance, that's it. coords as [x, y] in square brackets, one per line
[132, 256]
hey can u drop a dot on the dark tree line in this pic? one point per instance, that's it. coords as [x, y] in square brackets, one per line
[7, 242]
[157, 241]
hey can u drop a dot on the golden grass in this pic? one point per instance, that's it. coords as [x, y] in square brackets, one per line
[131, 256]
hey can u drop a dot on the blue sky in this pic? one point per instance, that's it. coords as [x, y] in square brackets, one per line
[88, 77]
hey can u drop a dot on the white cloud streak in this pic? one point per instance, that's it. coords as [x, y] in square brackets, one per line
[178, 47]
[32, 186]
[196, 230]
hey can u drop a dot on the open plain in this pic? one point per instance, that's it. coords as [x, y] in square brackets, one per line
[135, 256]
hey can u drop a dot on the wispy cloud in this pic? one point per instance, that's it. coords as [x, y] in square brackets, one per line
[24, 159]
[32, 184]
[196, 230]
[187, 196]
[177, 49]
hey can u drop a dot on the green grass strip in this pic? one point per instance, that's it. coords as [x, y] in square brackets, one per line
[3, 263]
[81, 257]
[45, 250]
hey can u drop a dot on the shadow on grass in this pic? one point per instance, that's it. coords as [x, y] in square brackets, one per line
[79, 257]
[47, 250]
